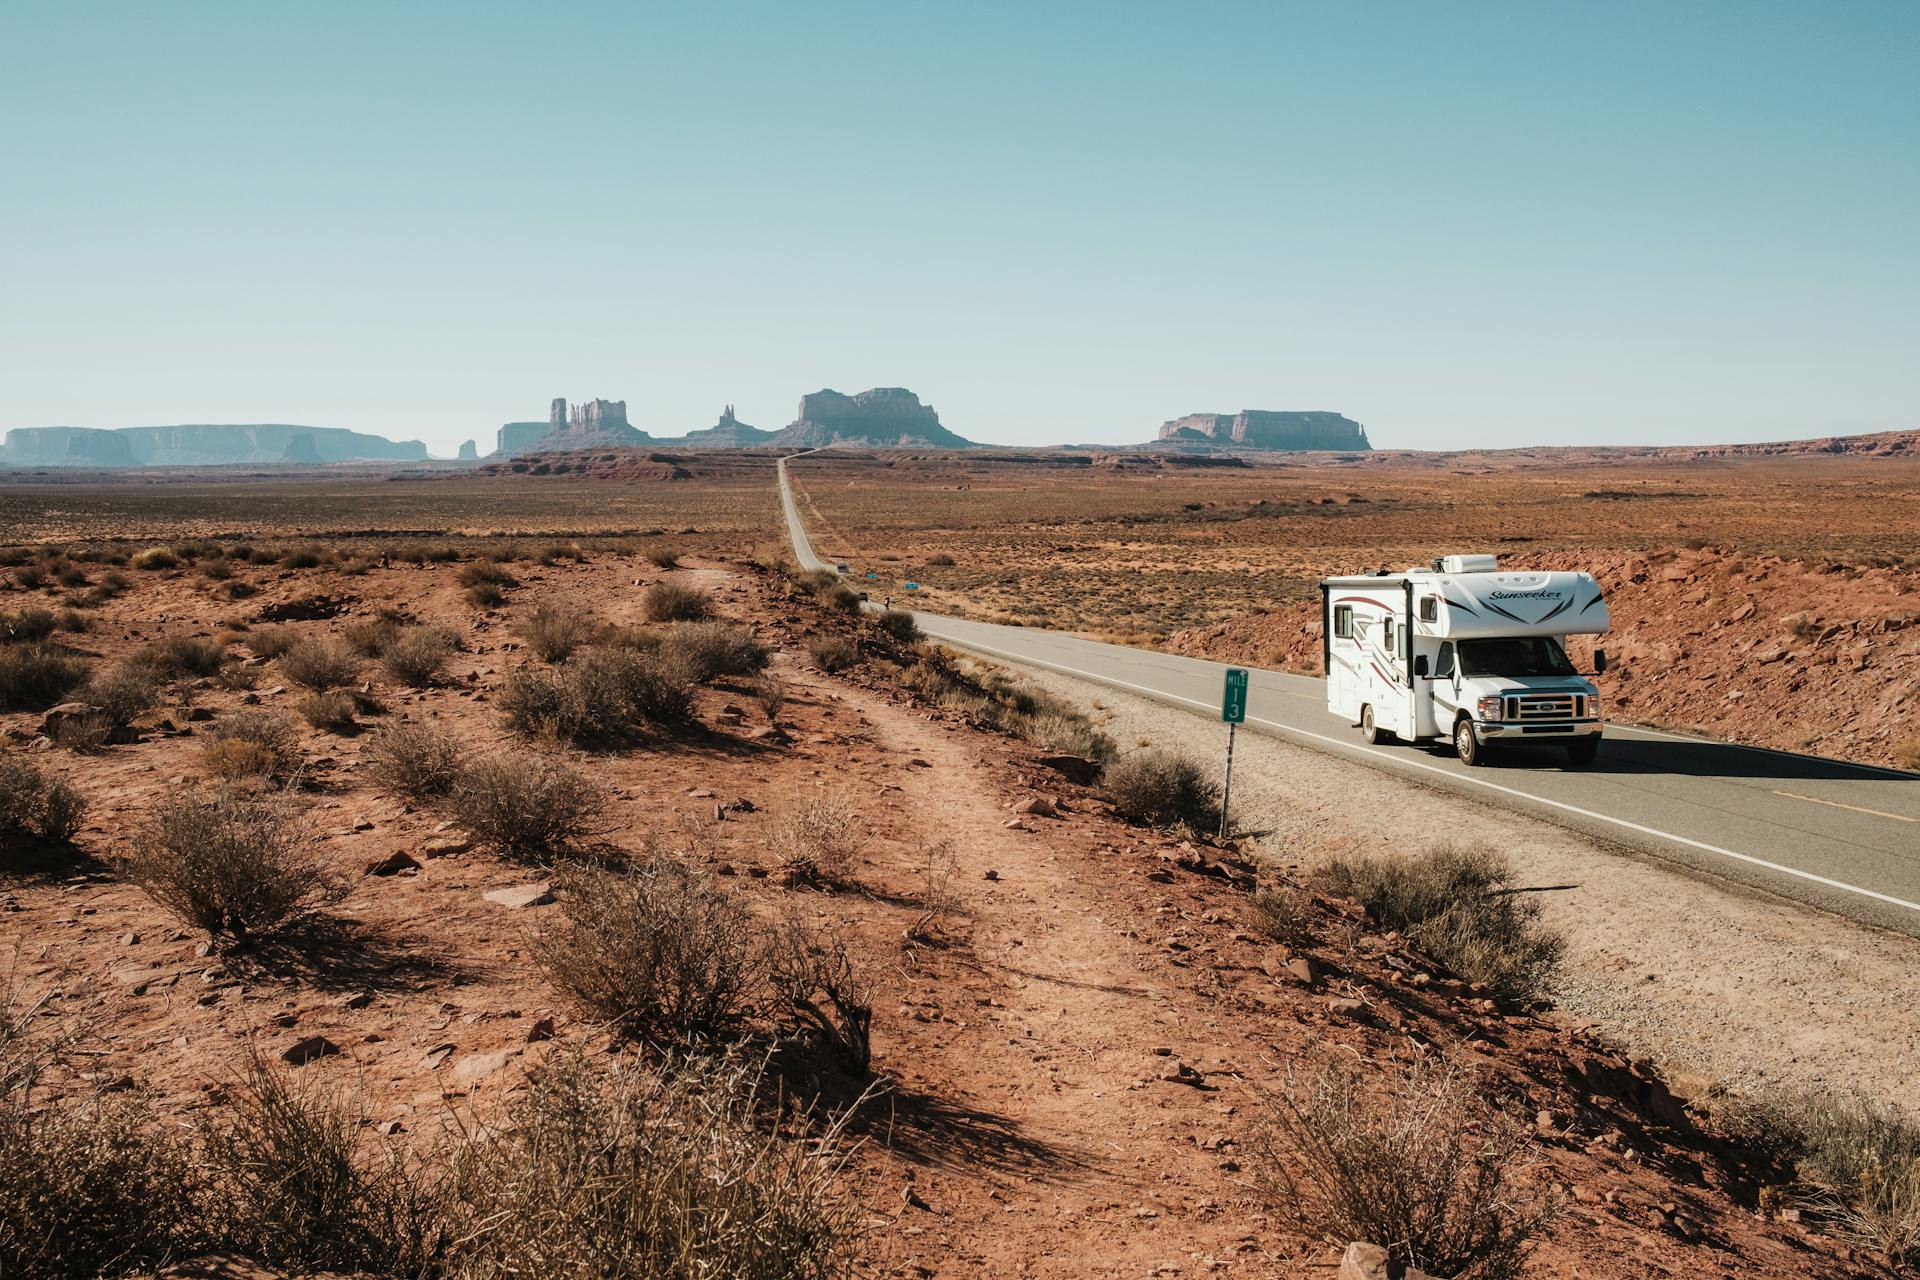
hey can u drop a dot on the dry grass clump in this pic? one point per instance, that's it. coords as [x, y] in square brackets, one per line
[1458, 904]
[319, 663]
[994, 700]
[817, 840]
[177, 656]
[35, 676]
[250, 744]
[1427, 1167]
[33, 804]
[705, 650]
[272, 642]
[1907, 754]
[369, 637]
[416, 760]
[663, 557]
[527, 805]
[298, 1187]
[1856, 1164]
[1159, 788]
[899, 624]
[30, 623]
[415, 655]
[486, 595]
[657, 950]
[306, 557]
[815, 983]
[124, 692]
[238, 865]
[554, 631]
[486, 573]
[616, 1169]
[675, 602]
[1279, 913]
[154, 558]
[833, 653]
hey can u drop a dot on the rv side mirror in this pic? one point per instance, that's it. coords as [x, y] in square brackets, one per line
[1599, 661]
[1420, 665]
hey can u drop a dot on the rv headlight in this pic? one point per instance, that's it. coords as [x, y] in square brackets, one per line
[1593, 706]
[1489, 708]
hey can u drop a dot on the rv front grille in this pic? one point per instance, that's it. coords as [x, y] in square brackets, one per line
[1525, 707]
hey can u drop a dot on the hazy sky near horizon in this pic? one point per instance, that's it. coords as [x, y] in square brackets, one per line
[1463, 225]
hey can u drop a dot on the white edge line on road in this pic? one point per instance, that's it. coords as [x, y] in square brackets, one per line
[1289, 730]
[1353, 749]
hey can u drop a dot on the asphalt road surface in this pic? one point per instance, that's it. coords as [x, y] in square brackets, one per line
[1839, 836]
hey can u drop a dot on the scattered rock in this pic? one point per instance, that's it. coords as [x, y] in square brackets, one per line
[392, 865]
[478, 1066]
[306, 1049]
[537, 894]
[1039, 806]
[445, 846]
[1075, 769]
[541, 1030]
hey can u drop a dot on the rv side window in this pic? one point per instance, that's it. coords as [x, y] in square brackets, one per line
[1386, 636]
[1343, 621]
[1443, 664]
[1429, 609]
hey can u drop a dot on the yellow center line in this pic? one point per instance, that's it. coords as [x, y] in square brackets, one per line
[1897, 817]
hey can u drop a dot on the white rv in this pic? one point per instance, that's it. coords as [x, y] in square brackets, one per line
[1464, 652]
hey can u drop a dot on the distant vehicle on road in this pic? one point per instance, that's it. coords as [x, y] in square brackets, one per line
[841, 568]
[1462, 652]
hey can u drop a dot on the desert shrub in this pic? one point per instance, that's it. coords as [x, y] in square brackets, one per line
[604, 695]
[174, 656]
[33, 804]
[235, 864]
[485, 573]
[155, 558]
[319, 663]
[216, 570]
[110, 586]
[527, 805]
[369, 637]
[68, 574]
[1428, 1167]
[94, 1186]
[486, 595]
[307, 557]
[663, 557]
[771, 693]
[833, 653]
[618, 1169]
[657, 950]
[554, 631]
[301, 1188]
[1907, 754]
[816, 985]
[1066, 731]
[1279, 912]
[35, 676]
[1159, 788]
[940, 561]
[32, 576]
[415, 656]
[817, 839]
[675, 602]
[899, 624]
[238, 590]
[555, 552]
[840, 596]
[331, 710]
[357, 567]
[75, 622]
[248, 743]
[271, 642]
[705, 650]
[419, 761]
[1457, 903]
[23, 625]
[124, 692]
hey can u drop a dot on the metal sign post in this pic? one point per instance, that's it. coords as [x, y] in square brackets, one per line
[1233, 710]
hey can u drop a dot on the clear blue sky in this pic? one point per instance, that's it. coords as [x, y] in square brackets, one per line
[1465, 224]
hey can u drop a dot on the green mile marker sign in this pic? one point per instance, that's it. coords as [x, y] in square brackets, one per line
[1233, 704]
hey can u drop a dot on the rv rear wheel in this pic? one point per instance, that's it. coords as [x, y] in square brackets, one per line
[1466, 744]
[1370, 730]
[1582, 751]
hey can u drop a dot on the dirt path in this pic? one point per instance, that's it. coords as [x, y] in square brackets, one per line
[1716, 981]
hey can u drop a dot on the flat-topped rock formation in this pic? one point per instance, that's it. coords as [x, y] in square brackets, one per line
[728, 433]
[1265, 429]
[199, 446]
[884, 418]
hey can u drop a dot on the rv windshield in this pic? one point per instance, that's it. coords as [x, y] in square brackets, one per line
[1514, 656]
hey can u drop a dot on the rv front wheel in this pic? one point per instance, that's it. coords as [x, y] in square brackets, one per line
[1466, 744]
[1370, 730]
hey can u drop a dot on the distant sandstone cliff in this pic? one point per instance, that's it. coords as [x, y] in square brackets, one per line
[596, 424]
[728, 433]
[885, 417]
[199, 446]
[1265, 429]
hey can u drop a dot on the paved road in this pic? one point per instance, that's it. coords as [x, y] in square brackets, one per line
[1839, 836]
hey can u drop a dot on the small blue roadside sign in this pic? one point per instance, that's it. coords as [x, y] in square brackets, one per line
[913, 586]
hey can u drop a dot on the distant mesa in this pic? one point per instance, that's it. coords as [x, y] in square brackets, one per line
[199, 446]
[596, 424]
[469, 451]
[883, 418]
[1264, 429]
[728, 433]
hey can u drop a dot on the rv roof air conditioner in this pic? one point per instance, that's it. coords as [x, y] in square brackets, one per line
[1465, 564]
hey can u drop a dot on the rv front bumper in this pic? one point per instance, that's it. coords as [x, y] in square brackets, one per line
[1535, 729]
